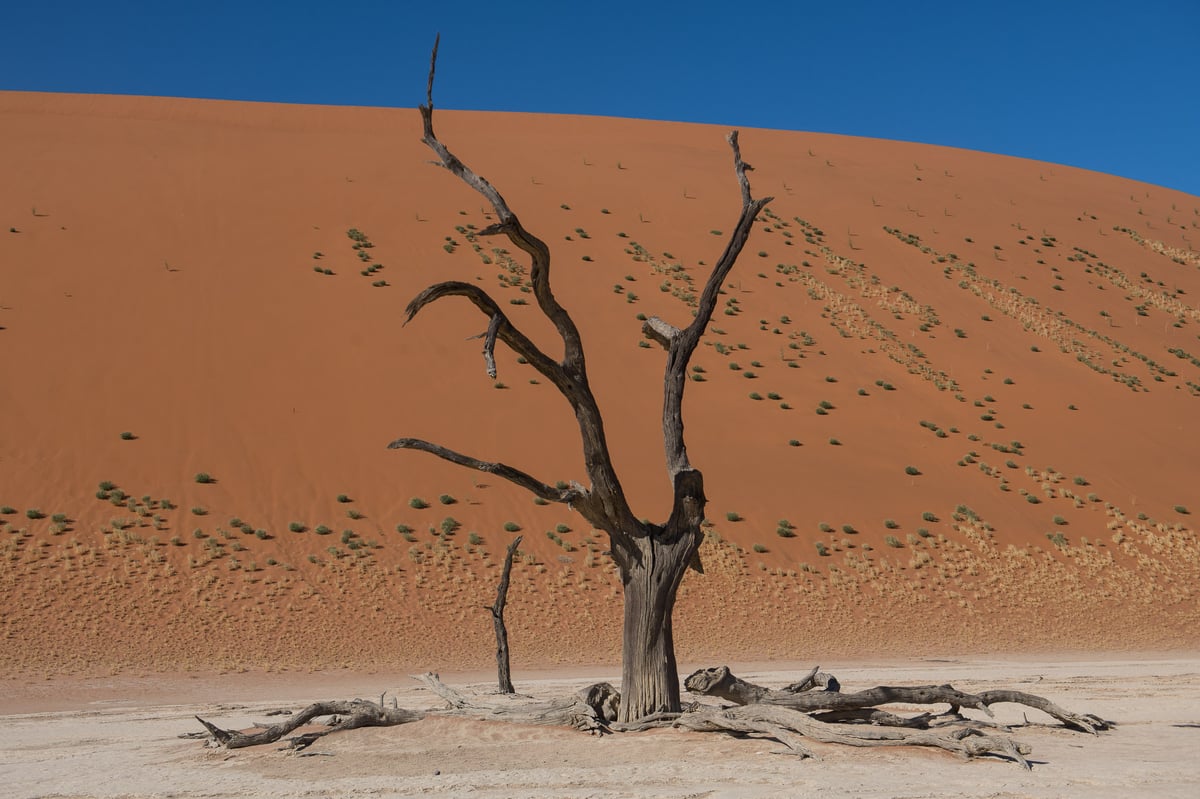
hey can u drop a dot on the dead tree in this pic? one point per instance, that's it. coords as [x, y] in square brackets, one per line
[651, 557]
[503, 675]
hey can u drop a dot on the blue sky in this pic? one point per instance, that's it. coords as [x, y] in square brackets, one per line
[1109, 86]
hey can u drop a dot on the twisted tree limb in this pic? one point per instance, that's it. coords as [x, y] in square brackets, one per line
[721, 683]
[860, 706]
[784, 723]
[352, 715]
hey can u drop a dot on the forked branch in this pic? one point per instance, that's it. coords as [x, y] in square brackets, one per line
[681, 344]
[499, 326]
[508, 224]
[610, 510]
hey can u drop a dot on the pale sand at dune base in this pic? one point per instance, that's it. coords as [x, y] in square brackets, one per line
[118, 737]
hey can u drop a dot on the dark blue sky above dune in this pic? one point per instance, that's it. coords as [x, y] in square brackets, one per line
[1109, 86]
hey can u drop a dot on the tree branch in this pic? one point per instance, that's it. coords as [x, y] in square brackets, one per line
[658, 330]
[610, 510]
[489, 345]
[681, 344]
[574, 493]
[499, 326]
[508, 224]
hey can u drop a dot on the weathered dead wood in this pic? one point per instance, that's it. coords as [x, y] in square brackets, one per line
[723, 684]
[715, 720]
[503, 672]
[813, 680]
[350, 715]
[595, 709]
[591, 709]
[784, 723]
[1084, 722]
[872, 715]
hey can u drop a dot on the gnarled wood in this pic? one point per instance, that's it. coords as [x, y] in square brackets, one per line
[966, 742]
[1084, 722]
[722, 683]
[591, 709]
[352, 715]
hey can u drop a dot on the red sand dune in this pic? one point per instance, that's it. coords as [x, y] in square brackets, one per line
[1023, 335]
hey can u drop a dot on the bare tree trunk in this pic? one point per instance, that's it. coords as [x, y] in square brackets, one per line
[651, 574]
[502, 669]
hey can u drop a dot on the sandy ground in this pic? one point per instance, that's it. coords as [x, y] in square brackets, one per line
[120, 740]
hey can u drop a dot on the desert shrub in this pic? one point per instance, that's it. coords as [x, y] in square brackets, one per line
[911, 471]
[446, 499]
[354, 513]
[322, 530]
[343, 498]
[1181, 509]
[891, 524]
[822, 549]
[417, 503]
[204, 478]
[892, 541]
[928, 517]
[511, 527]
[296, 527]
[759, 548]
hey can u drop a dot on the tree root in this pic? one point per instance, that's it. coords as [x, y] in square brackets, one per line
[797, 712]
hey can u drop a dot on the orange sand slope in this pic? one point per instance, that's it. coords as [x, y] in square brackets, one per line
[946, 400]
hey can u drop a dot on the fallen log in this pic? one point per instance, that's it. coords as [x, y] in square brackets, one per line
[347, 716]
[720, 682]
[591, 709]
[784, 724]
